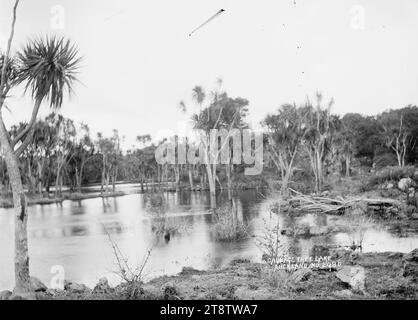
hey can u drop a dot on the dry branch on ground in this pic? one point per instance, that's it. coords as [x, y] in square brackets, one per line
[321, 204]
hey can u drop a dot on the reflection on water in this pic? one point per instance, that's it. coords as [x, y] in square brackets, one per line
[74, 234]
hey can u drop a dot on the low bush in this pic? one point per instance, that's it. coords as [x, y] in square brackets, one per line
[162, 225]
[227, 226]
[155, 202]
[392, 174]
[270, 245]
[131, 275]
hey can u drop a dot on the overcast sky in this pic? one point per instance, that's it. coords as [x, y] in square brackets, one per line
[139, 60]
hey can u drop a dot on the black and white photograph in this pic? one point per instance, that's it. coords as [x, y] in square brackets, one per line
[223, 152]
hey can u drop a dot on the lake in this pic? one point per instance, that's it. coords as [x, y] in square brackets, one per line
[74, 236]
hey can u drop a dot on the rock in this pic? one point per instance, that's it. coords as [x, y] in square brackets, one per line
[405, 183]
[301, 275]
[5, 295]
[102, 286]
[353, 276]
[389, 186]
[37, 285]
[75, 287]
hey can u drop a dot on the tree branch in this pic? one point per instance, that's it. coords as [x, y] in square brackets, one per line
[6, 57]
[29, 126]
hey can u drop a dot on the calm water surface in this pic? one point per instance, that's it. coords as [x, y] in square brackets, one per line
[74, 235]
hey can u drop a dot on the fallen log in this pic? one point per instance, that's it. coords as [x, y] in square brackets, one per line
[320, 204]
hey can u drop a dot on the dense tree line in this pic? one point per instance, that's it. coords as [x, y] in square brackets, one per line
[339, 144]
[63, 153]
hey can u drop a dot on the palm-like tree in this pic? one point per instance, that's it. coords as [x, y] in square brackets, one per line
[199, 96]
[47, 67]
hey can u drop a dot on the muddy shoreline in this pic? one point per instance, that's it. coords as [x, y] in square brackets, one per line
[6, 202]
[388, 275]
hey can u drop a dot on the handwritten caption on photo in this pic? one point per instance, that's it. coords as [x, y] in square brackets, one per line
[294, 263]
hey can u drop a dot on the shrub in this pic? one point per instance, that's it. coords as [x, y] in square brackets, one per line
[273, 255]
[155, 202]
[226, 226]
[163, 225]
[358, 223]
[392, 174]
[385, 159]
[394, 286]
[131, 276]
[270, 246]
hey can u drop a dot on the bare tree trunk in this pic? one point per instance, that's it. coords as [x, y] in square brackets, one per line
[319, 169]
[228, 176]
[177, 176]
[158, 177]
[80, 176]
[202, 179]
[60, 186]
[114, 177]
[285, 182]
[191, 178]
[212, 184]
[103, 174]
[40, 178]
[142, 183]
[347, 166]
[219, 182]
[57, 179]
[165, 177]
[22, 277]
[398, 156]
[77, 178]
[107, 180]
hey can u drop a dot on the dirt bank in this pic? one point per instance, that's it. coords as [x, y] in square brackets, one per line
[387, 275]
